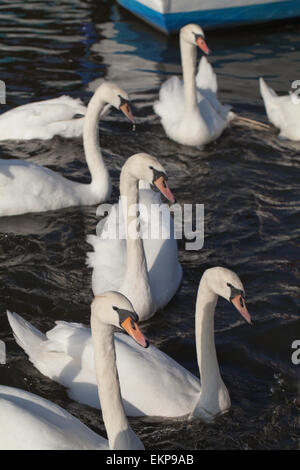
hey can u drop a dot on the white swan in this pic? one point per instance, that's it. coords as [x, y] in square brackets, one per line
[28, 421]
[26, 187]
[190, 111]
[43, 119]
[144, 268]
[152, 383]
[282, 111]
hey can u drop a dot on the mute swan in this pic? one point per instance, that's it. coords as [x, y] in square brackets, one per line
[145, 268]
[282, 112]
[43, 119]
[190, 111]
[158, 386]
[26, 187]
[28, 421]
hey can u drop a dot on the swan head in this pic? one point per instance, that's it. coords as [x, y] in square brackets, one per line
[116, 97]
[194, 34]
[143, 166]
[114, 309]
[228, 285]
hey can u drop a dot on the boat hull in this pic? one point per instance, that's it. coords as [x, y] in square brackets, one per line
[170, 15]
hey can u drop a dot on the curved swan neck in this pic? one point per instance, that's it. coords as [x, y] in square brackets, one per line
[188, 60]
[211, 381]
[129, 199]
[119, 433]
[91, 143]
[136, 274]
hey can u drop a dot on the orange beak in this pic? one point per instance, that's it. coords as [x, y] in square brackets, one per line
[240, 305]
[133, 330]
[125, 108]
[163, 187]
[203, 46]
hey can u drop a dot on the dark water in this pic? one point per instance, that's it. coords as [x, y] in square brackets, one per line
[248, 181]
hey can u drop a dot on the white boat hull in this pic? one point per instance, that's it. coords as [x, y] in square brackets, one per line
[170, 15]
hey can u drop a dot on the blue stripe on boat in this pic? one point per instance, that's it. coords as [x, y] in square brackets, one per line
[172, 22]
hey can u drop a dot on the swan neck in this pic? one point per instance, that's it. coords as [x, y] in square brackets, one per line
[129, 198]
[136, 280]
[113, 412]
[91, 142]
[205, 339]
[188, 60]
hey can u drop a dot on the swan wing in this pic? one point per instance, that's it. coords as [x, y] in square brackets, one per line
[108, 259]
[170, 105]
[160, 246]
[206, 82]
[43, 119]
[26, 187]
[64, 354]
[30, 422]
[206, 78]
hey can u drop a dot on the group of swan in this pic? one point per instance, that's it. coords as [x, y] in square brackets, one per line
[128, 380]
[133, 273]
[190, 111]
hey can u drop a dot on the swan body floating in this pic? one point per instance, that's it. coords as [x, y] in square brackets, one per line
[29, 422]
[190, 111]
[27, 187]
[43, 119]
[158, 385]
[282, 112]
[145, 268]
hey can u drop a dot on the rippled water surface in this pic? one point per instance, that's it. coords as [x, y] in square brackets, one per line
[248, 181]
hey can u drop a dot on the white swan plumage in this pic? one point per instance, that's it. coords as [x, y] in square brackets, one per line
[145, 268]
[158, 385]
[282, 111]
[190, 111]
[44, 119]
[27, 187]
[29, 422]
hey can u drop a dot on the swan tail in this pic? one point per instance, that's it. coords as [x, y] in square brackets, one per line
[273, 104]
[27, 336]
[49, 352]
[33, 341]
[206, 82]
[206, 78]
[266, 92]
